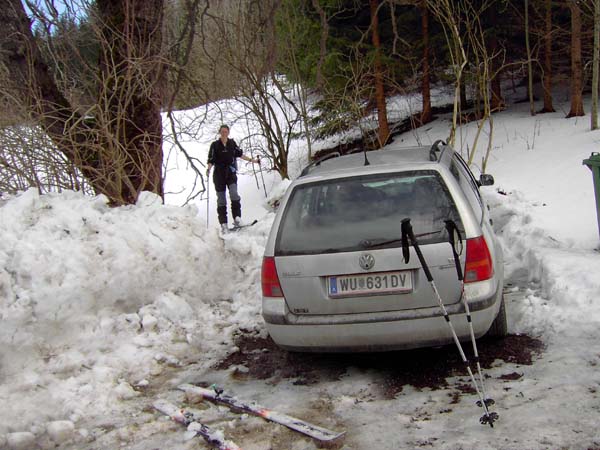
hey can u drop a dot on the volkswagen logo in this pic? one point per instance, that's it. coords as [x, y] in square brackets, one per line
[366, 261]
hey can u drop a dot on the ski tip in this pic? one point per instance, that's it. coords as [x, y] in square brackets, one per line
[241, 227]
[169, 410]
[333, 442]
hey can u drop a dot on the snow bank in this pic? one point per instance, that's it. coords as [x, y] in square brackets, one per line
[275, 196]
[568, 281]
[95, 301]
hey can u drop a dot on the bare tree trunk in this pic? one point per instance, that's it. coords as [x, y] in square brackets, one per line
[132, 41]
[384, 130]
[497, 101]
[32, 81]
[426, 114]
[576, 61]
[323, 42]
[548, 107]
[464, 101]
[529, 64]
[118, 145]
[596, 63]
[448, 12]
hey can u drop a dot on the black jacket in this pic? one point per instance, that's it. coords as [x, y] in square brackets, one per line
[223, 156]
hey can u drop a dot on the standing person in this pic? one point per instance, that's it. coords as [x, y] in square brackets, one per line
[222, 155]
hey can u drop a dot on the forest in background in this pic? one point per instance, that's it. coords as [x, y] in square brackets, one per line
[84, 83]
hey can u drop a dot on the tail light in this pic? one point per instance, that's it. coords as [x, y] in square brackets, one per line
[270, 279]
[478, 266]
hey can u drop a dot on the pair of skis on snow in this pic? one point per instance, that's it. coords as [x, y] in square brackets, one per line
[217, 396]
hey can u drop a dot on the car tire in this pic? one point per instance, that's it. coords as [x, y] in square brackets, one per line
[499, 328]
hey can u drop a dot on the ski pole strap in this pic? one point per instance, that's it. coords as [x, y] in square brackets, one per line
[407, 227]
[451, 228]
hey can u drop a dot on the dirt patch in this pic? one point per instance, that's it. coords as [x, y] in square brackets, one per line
[465, 388]
[511, 376]
[260, 358]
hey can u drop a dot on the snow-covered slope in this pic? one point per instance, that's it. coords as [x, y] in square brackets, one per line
[96, 302]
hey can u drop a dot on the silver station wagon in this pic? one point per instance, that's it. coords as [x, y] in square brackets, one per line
[334, 278]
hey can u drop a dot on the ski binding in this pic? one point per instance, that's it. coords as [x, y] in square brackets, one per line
[194, 426]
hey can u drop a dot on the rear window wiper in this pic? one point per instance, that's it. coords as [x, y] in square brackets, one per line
[312, 251]
[368, 243]
[371, 243]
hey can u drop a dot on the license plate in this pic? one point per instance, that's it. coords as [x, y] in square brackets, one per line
[370, 284]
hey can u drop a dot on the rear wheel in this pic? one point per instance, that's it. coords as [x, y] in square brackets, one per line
[499, 328]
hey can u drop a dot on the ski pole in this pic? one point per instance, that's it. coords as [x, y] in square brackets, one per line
[407, 233]
[452, 229]
[254, 171]
[261, 176]
[207, 196]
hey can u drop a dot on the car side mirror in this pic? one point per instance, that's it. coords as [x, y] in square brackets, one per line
[486, 179]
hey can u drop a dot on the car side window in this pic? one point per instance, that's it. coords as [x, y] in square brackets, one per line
[468, 184]
[470, 176]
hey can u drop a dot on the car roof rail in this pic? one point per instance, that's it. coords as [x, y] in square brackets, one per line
[436, 148]
[355, 150]
[319, 161]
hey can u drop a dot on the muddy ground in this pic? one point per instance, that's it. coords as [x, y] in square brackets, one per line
[259, 358]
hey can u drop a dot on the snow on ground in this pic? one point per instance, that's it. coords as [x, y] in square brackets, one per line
[103, 310]
[96, 302]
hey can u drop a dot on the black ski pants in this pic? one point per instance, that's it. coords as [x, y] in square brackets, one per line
[226, 179]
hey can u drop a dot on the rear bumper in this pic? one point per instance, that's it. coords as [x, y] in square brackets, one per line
[391, 330]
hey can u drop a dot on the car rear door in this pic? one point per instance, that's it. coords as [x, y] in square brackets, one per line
[338, 249]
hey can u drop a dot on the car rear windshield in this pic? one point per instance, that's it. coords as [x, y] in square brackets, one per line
[353, 214]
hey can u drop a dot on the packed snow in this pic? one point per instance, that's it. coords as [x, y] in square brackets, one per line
[103, 310]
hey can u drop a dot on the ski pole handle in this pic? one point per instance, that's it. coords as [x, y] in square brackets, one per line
[407, 228]
[451, 228]
[405, 244]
